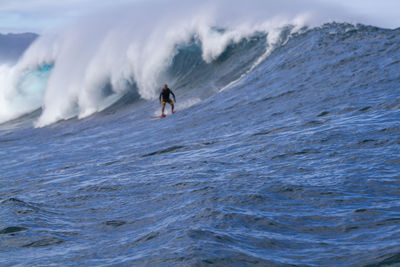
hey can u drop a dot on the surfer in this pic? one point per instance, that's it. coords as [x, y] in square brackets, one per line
[165, 99]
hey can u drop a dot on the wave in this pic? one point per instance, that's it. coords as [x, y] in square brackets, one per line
[119, 56]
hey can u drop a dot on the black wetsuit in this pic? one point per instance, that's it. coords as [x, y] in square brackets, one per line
[165, 95]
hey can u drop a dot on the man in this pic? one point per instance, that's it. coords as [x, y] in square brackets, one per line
[165, 99]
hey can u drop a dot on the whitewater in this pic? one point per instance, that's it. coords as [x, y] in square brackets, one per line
[284, 150]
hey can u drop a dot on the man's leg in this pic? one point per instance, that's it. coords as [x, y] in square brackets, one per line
[162, 108]
[172, 107]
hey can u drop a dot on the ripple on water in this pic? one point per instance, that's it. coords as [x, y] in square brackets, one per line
[12, 230]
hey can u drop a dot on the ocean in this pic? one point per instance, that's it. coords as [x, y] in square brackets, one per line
[284, 151]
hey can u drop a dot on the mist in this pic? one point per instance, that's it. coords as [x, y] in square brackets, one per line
[133, 44]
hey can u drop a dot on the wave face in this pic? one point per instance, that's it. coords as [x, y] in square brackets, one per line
[135, 47]
[283, 151]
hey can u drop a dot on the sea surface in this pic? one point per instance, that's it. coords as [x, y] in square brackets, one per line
[280, 158]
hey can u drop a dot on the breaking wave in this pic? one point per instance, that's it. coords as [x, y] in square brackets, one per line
[132, 50]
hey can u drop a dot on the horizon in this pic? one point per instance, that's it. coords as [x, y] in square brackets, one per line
[39, 15]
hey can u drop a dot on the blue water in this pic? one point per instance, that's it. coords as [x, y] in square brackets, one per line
[297, 163]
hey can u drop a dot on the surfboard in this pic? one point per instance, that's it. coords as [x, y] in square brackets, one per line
[159, 117]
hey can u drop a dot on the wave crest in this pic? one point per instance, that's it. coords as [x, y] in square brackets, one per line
[139, 47]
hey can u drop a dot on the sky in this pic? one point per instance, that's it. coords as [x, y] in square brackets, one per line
[383, 13]
[37, 15]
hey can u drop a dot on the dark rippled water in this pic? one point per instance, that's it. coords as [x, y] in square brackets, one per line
[296, 164]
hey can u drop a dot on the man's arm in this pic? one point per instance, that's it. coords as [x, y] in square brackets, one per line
[160, 96]
[173, 95]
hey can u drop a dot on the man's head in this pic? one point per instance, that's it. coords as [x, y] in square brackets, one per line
[165, 86]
